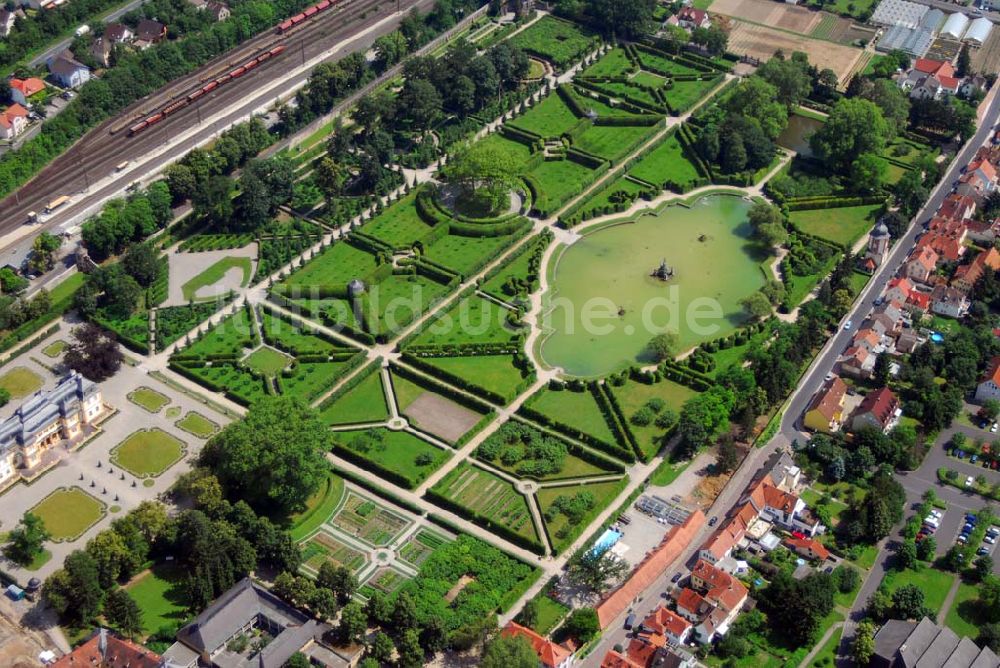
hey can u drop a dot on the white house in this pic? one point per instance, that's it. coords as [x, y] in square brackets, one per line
[989, 386]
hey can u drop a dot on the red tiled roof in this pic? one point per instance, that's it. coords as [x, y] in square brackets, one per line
[938, 67]
[804, 545]
[881, 403]
[651, 568]
[28, 86]
[615, 660]
[119, 653]
[925, 257]
[666, 622]
[921, 300]
[993, 371]
[16, 110]
[691, 601]
[828, 401]
[550, 654]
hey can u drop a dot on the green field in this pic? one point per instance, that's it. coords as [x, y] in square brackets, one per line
[400, 225]
[335, 267]
[161, 596]
[843, 225]
[268, 361]
[149, 399]
[612, 141]
[20, 382]
[400, 452]
[612, 64]
[578, 410]
[663, 62]
[666, 163]
[467, 255]
[560, 42]
[54, 349]
[197, 424]
[622, 189]
[934, 583]
[395, 302]
[491, 372]
[365, 402]
[229, 337]
[633, 395]
[488, 496]
[519, 152]
[561, 531]
[966, 617]
[68, 512]
[558, 181]
[148, 452]
[471, 320]
[215, 273]
[549, 118]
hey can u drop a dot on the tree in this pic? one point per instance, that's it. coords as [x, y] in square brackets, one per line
[123, 613]
[758, 99]
[381, 648]
[509, 652]
[142, 263]
[863, 647]
[910, 193]
[964, 62]
[713, 38]
[926, 548]
[93, 353]
[757, 305]
[729, 457]
[298, 660]
[854, 127]
[663, 346]
[582, 624]
[954, 558]
[337, 579]
[869, 172]
[990, 409]
[598, 570]
[11, 283]
[628, 19]
[989, 636]
[906, 555]
[908, 603]
[485, 174]
[702, 417]
[43, 250]
[982, 566]
[790, 77]
[420, 103]
[768, 225]
[273, 458]
[353, 623]
[26, 540]
[74, 591]
[330, 176]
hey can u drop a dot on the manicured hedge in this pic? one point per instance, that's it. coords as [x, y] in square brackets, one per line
[485, 522]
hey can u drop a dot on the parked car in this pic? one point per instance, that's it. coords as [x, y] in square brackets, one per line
[969, 517]
[960, 453]
[962, 539]
[937, 513]
[676, 578]
[711, 522]
[968, 528]
[983, 550]
[990, 539]
[994, 427]
[630, 621]
[969, 480]
[973, 459]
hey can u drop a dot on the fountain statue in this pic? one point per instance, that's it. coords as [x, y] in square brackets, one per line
[664, 272]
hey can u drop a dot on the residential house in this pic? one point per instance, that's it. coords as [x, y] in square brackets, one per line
[724, 593]
[550, 654]
[118, 33]
[989, 385]
[218, 10]
[241, 610]
[948, 245]
[972, 85]
[857, 362]
[720, 545]
[887, 318]
[690, 18]
[784, 472]
[879, 409]
[22, 89]
[641, 653]
[869, 339]
[106, 650]
[975, 185]
[984, 170]
[984, 232]
[149, 32]
[825, 413]
[920, 264]
[957, 207]
[948, 301]
[692, 606]
[668, 624]
[785, 509]
[908, 341]
[904, 643]
[13, 121]
[67, 71]
[808, 548]
[46, 420]
[967, 275]
[930, 80]
[898, 290]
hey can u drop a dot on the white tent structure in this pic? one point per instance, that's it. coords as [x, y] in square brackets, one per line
[955, 26]
[979, 31]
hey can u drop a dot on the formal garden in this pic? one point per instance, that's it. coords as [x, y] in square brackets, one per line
[148, 452]
[68, 512]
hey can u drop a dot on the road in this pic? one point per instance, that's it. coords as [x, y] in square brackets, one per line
[113, 15]
[89, 165]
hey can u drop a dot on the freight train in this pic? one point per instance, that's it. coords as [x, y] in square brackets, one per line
[282, 28]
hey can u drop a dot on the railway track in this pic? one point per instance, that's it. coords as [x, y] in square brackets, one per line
[97, 154]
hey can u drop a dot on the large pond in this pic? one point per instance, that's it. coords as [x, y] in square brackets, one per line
[796, 134]
[604, 306]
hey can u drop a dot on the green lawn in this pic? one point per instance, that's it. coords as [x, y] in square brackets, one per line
[149, 399]
[558, 181]
[467, 255]
[296, 339]
[197, 424]
[633, 395]
[667, 163]
[318, 509]
[400, 225]
[161, 596]
[842, 225]
[826, 655]
[965, 616]
[229, 337]
[622, 189]
[334, 267]
[667, 472]
[20, 382]
[472, 320]
[54, 349]
[550, 613]
[549, 118]
[558, 41]
[400, 452]
[512, 279]
[365, 402]
[561, 531]
[934, 583]
[516, 150]
[395, 302]
[491, 372]
[215, 273]
[268, 361]
[812, 498]
[68, 512]
[578, 410]
[612, 141]
[148, 452]
[612, 64]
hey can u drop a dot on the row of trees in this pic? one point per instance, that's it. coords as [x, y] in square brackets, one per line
[122, 222]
